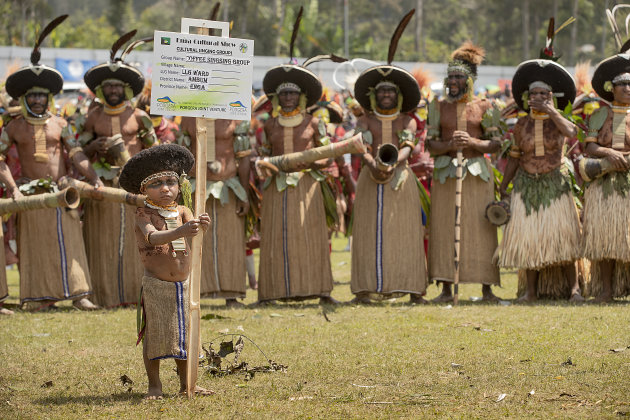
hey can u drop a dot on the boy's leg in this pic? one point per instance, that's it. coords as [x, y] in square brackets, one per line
[153, 374]
[181, 370]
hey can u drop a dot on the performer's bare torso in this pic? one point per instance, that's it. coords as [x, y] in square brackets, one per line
[374, 126]
[553, 141]
[224, 146]
[304, 135]
[100, 123]
[23, 134]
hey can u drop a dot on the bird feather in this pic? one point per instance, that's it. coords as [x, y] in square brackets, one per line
[393, 44]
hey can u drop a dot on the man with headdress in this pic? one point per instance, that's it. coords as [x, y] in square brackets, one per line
[543, 234]
[227, 204]
[461, 122]
[387, 253]
[53, 264]
[113, 131]
[607, 198]
[294, 252]
[165, 130]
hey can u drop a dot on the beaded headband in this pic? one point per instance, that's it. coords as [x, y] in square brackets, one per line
[150, 178]
[288, 86]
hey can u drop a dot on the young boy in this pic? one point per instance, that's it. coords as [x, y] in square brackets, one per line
[161, 229]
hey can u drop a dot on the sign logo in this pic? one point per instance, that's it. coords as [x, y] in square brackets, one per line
[235, 104]
[243, 47]
[165, 40]
[165, 100]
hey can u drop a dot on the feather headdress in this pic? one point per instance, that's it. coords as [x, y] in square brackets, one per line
[466, 59]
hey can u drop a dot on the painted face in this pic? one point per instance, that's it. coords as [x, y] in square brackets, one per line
[539, 92]
[288, 100]
[386, 97]
[621, 92]
[456, 84]
[162, 190]
[114, 93]
[37, 102]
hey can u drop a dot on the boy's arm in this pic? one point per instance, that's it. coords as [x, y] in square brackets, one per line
[154, 237]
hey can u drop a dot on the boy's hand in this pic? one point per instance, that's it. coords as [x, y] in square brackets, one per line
[190, 228]
[204, 221]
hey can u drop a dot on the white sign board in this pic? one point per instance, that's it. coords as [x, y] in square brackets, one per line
[202, 76]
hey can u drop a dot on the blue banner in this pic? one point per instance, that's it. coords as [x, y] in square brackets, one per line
[73, 70]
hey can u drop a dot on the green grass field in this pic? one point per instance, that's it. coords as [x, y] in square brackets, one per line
[387, 360]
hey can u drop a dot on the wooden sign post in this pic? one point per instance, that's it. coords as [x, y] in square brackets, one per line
[206, 77]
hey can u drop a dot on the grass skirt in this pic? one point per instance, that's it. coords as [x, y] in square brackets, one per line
[620, 280]
[388, 238]
[606, 225]
[166, 309]
[553, 284]
[548, 236]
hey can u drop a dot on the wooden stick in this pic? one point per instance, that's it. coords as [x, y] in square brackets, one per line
[194, 333]
[458, 214]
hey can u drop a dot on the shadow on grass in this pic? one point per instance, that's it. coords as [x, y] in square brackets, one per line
[91, 400]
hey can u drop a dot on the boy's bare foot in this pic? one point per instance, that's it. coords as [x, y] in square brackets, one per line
[417, 299]
[84, 304]
[253, 284]
[5, 311]
[233, 303]
[154, 394]
[328, 300]
[198, 391]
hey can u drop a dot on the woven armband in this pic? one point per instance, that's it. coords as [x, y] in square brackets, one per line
[407, 143]
[74, 151]
[590, 139]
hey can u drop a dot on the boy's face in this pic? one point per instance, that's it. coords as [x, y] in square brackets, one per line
[163, 190]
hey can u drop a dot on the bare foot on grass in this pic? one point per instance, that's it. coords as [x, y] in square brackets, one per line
[443, 298]
[576, 297]
[603, 298]
[5, 311]
[233, 304]
[361, 299]
[526, 298]
[198, 391]
[154, 394]
[84, 305]
[328, 300]
[417, 300]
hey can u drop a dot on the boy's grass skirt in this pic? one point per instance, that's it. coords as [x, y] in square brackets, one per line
[166, 311]
[113, 257]
[4, 288]
[223, 266]
[607, 236]
[388, 238]
[294, 250]
[53, 264]
[478, 236]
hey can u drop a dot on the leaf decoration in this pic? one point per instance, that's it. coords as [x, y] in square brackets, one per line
[393, 44]
[36, 53]
[119, 43]
[296, 28]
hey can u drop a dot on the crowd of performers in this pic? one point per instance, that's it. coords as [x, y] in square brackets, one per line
[404, 216]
